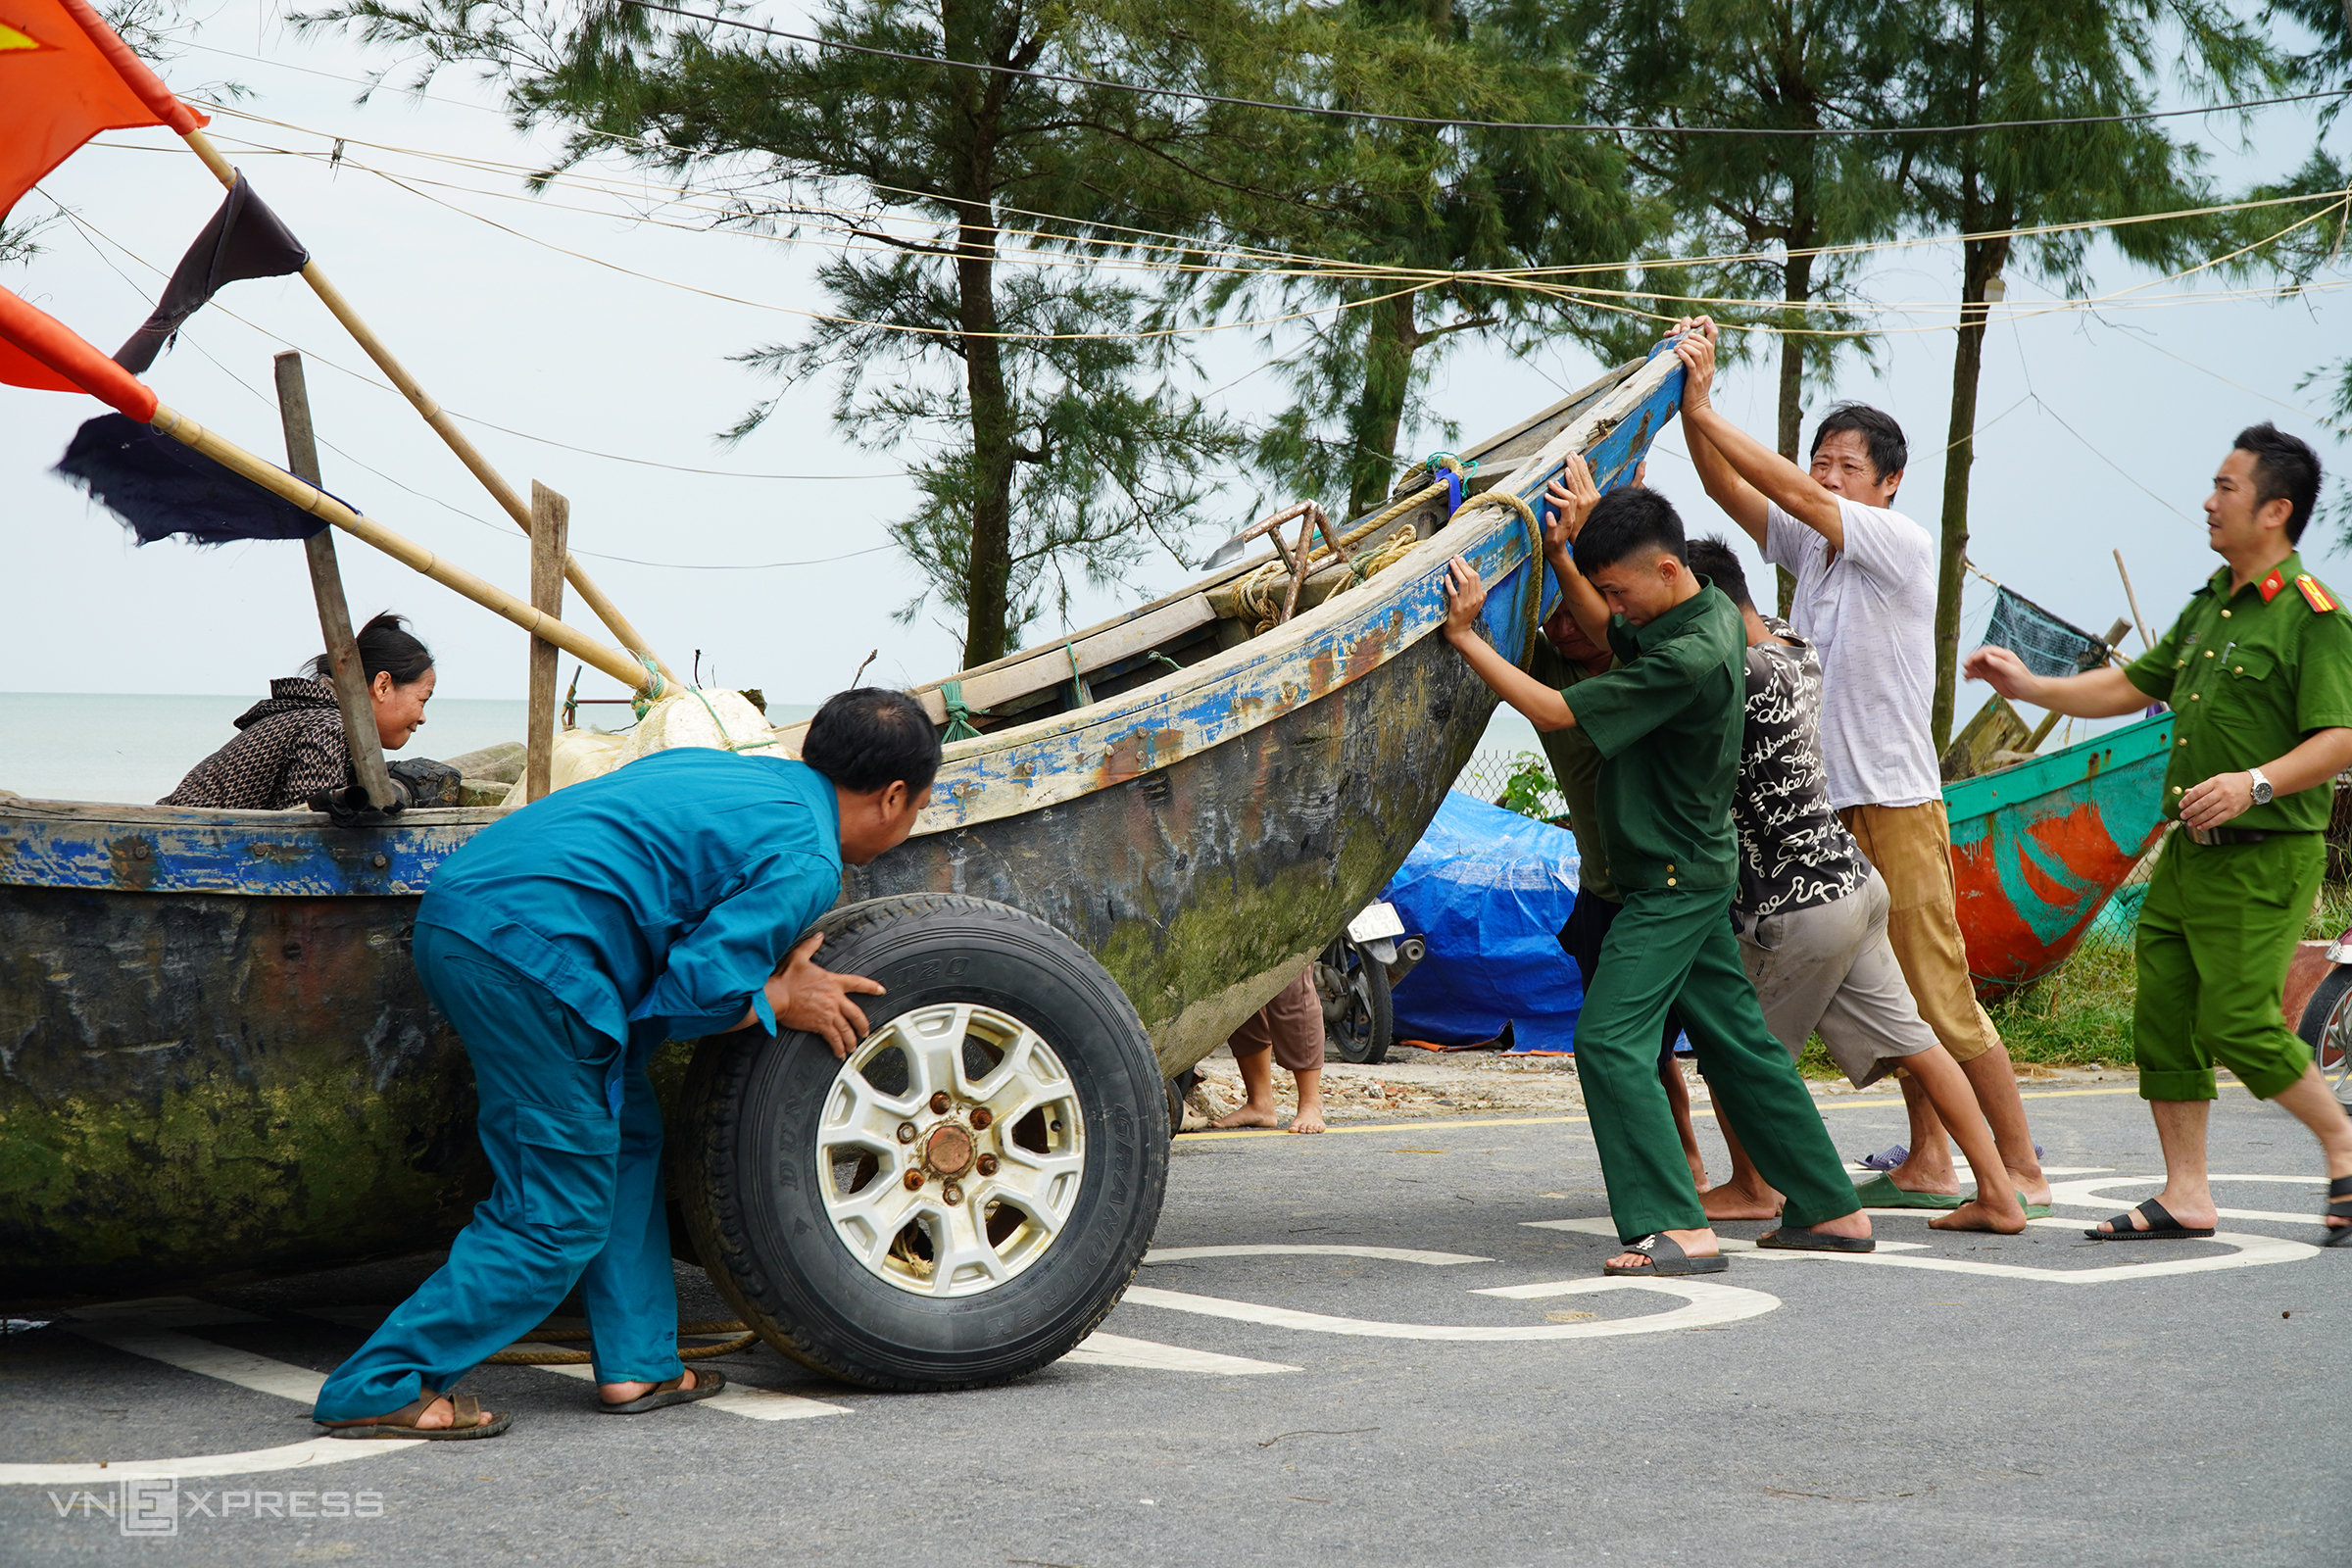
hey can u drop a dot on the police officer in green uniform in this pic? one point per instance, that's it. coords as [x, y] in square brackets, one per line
[1667, 724]
[2258, 671]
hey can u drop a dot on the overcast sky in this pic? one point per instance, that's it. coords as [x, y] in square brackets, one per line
[2100, 429]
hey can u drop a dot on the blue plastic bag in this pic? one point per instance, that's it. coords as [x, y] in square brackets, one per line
[1489, 890]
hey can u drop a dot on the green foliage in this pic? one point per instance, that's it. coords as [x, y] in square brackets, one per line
[1036, 458]
[1529, 789]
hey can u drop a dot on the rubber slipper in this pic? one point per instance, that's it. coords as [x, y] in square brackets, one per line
[1886, 1158]
[1805, 1239]
[1663, 1255]
[1880, 1192]
[2033, 1210]
[2339, 1207]
[2162, 1227]
[465, 1422]
[707, 1381]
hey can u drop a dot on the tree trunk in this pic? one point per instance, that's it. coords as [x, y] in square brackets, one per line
[988, 564]
[1797, 287]
[1981, 262]
[1374, 423]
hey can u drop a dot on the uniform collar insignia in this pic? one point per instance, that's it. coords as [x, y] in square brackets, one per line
[2269, 586]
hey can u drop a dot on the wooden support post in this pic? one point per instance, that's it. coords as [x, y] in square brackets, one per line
[327, 587]
[2132, 599]
[2114, 639]
[551, 524]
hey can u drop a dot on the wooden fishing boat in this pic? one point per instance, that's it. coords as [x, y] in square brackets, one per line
[216, 1062]
[2039, 847]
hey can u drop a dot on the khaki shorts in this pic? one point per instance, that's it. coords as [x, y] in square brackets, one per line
[1911, 845]
[1829, 968]
[1290, 1026]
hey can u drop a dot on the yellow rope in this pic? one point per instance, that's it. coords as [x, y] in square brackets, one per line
[1534, 548]
[516, 1355]
[1259, 595]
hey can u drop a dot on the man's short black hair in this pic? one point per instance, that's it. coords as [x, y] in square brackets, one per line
[2285, 466]
[1633, 518]
[1711, 557]
[1880, 436]
[869, 738]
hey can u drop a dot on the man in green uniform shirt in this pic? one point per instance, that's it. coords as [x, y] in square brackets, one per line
[1667, 722]
[2259, 673]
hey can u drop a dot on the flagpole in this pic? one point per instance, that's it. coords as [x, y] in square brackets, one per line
[438, 417]
[318, 504]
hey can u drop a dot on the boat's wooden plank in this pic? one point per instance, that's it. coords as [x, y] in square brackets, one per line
[131, 848]
[1050, 665]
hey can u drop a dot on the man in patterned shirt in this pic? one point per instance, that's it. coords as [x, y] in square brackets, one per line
[1811, 915]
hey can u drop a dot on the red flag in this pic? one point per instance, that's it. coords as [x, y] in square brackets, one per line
[38, 351]
[64, 77]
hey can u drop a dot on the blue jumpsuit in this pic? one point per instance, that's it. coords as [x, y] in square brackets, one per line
[565, 943]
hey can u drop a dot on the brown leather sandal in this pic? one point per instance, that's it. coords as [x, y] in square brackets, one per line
[466, 1421]
[707, 1381]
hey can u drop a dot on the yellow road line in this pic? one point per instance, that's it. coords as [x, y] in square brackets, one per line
[1887, 1102]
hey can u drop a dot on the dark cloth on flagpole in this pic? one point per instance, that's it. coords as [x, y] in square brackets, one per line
[245, 239]
[159, 487]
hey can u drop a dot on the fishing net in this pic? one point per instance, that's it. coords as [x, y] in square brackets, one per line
[2046, 645]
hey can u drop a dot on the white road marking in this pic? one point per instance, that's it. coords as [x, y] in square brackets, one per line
[1607, 1230]
[192, 1354]
[1392, 1255]
[1117, 1350]
[1708, 1305]
[2251, 1252]
[752, 1405]
[293, 1456]
[2086, 1194]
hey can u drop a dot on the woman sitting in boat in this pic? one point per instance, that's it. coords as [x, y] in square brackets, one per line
[293, 746]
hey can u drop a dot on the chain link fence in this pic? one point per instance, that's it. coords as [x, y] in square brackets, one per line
[1514, 780]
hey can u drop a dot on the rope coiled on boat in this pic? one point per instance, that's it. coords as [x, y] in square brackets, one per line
[1259, 596]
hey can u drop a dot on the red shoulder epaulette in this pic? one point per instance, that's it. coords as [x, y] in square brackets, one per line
[2269, 586]
[2319, 598]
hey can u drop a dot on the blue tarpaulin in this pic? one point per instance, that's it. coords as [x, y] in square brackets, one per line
[1488, 890]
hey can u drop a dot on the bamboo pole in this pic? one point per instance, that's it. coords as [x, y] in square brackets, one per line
[551, 520]
[443, 427]
[2132, 599]
[318, 504]
[326, 589]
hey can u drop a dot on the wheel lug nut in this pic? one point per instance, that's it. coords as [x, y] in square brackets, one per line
[953, 1192]
[906, 1132]
[940, 1104]
[914, 1181]
[982, 1117]
[988, 1164]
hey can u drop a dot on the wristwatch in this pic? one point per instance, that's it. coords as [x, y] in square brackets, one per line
[2262, 785]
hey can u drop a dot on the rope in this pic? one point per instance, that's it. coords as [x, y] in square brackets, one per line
[1258, 596]
[516, 1355]
[960, 717]
[1077, 677]
[646, 697]
[1534, 548]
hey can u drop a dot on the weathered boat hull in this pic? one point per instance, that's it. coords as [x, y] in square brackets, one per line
[216, 1062]
[2038, 849]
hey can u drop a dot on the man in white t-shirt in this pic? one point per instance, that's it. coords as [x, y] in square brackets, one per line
[1866, 598]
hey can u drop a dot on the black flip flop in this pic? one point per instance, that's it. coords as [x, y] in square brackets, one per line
[2162, 1227]
[707, 1381]
[1805, 1239]
[1665, 1256]
[2339, 1207]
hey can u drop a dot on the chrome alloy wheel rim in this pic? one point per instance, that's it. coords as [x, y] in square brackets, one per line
[951, 1150]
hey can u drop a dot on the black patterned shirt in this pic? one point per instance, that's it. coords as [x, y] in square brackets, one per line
[1793, 851]
[290, 748]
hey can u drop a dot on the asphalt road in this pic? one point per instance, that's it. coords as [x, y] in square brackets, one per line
[1960, 1400]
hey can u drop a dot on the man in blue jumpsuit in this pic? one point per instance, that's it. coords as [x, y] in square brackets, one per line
[565, 943]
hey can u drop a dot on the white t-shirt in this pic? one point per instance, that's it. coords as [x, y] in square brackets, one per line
[1872, 614]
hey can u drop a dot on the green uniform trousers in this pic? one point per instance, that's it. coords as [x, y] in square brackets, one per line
[2216, 936]
[1677, 950]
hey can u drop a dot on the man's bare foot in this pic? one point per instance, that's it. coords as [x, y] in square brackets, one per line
[1309, 1118]
[1699, 1175]
[1917, 1175]
[1694, 1244]
[1248, 1115]
[624, 1392]
[1736, 1199]
[1982, 1214]
[437, 1416]
[1856, 1225]
[2036, 1191]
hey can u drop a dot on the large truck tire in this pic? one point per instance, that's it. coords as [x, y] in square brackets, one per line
[964, 1198]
